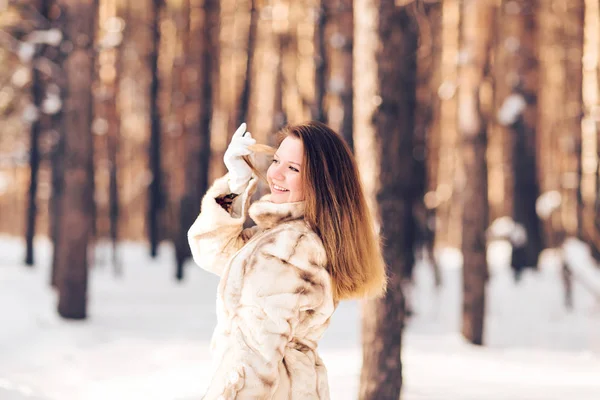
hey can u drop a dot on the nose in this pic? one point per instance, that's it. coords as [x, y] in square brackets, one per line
[278, 172]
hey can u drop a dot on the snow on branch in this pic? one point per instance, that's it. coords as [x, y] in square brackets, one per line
[110, 40]
[506, 228]
[30, 114]
[512, 107]
[51, 104]
[336, 85]
[113, 36]
[26, 49]
[51, 37]
[25, 52]
[21, 77]
[547, 203]
[447, 90]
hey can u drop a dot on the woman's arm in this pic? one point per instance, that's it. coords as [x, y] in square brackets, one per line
[219, 232]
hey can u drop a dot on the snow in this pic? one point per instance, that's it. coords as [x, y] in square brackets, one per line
[447, 90]
[336, 85]
[547, 203]
[505, 227]
[100, 126]
[21, 76]
[26, 51]
[512, 44]
[30, 114]
[147, 336]
[337, 40]
[580, 262]
[111, 40]
[52, 37]
[51, 104]
[114, 24]
[512, 107]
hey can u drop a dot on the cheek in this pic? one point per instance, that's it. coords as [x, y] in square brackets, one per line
[297, 183]
[269, 172]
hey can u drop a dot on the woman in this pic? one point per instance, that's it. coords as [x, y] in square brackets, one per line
[313, 245]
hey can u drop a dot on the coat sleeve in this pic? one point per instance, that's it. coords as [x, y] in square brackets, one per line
[282, 284]
[218, 233]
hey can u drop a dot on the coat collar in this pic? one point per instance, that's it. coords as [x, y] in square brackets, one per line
[267, 214]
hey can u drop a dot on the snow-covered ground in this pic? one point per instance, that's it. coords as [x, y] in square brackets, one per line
[147, 336]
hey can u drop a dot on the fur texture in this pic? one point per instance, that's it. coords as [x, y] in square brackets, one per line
[274, 299]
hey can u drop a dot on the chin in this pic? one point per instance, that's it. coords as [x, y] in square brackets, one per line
[278, 198]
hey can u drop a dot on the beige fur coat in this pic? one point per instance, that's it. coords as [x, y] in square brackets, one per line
[274, 298]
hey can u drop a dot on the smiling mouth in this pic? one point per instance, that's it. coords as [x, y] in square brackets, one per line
[279, 189]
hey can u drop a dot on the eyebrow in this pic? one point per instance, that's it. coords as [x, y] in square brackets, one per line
[291, 162]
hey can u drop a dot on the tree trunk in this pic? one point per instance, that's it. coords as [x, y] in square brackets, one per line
[516, 90]
[76, 218]
[175, 111]
[386, 37]
[57, 158]
[589, 162]
[429, 66]
[573, 36]
[339, 33]
[203, 45]
[449, 206]
[597, 194]
[108, 109]
[472, 123]
[570, 140]
[155, 193]
[113, 194]
[37, 90]
[597, 202]
[279, 115]
[55, 211]
[427, 130]
[320, 57]
[244, 102]
[210, 75]
[526, 192]
[550, 97]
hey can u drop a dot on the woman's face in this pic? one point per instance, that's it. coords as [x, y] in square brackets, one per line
[284, 177]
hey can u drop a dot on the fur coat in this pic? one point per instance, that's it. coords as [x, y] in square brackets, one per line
[274, 299]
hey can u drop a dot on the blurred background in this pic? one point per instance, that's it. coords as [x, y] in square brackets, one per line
[475, 128]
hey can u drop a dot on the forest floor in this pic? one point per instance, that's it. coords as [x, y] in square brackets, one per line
[147, 335]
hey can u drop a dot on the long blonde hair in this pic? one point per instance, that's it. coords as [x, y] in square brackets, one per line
[336, 209]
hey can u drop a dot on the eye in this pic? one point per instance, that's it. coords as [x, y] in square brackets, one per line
[275, 161]
[294, 169]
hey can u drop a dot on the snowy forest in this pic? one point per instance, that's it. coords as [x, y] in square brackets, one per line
[476, 128]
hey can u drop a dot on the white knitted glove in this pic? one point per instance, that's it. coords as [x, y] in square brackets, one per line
[239, 172]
